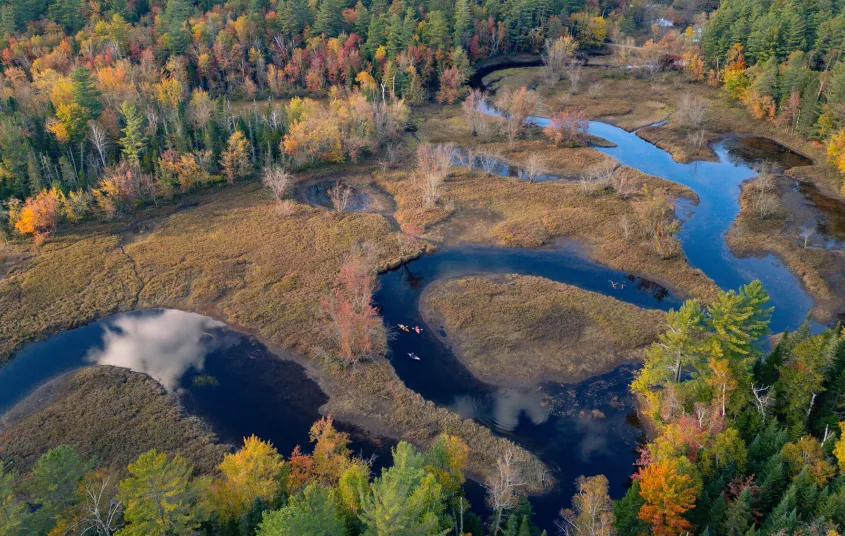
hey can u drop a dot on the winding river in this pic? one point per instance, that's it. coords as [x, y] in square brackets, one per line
[242, 388]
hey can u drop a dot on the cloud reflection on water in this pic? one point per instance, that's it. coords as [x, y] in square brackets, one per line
[508, 406]
[163, 345]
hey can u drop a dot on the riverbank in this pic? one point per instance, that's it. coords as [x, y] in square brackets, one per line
[516, 331]
[821, 269]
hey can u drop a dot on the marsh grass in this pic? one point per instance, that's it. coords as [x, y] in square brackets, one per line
[523, 329]
[109, 412]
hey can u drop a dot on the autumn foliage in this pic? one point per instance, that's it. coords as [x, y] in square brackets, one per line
[355, 327]
[668, 495]
[568, 128]
[40, 215]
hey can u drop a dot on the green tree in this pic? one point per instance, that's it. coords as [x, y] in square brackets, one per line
[132, 142]
[13, 512]
[158, 497]
[328, 19]
[85, 93]
[463, 21]
[313, 511]
[14, 150]
[53, 483]
[405, 500]
[738, 516]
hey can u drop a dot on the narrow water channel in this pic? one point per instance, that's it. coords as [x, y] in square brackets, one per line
[587, 428]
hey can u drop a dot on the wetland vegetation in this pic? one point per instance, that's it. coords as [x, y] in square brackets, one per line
[510, 268]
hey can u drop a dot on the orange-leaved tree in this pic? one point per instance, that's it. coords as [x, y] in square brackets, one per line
[668, 495]
[40, 214]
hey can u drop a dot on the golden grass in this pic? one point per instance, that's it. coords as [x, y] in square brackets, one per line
[520, 330]
[108, 412]
[70, 281]
[676, 142]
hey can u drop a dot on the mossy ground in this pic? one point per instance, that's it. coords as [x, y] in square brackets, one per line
[522, 330]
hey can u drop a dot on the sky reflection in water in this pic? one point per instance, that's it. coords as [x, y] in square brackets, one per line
[164, 346]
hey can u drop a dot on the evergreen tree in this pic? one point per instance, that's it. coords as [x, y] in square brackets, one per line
[313, 511]
[158, 497]
[738, 517]
[53, 484]
[463, 21]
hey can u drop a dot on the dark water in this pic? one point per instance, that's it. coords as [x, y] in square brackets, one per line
[577, 429]
[831, 222]
[588, 429]
[241, 388]
[224, 376]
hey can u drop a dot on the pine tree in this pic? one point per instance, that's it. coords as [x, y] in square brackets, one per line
[463, 21]
[738, 515]
[132, 142]
[328, 19]
[85, 93]
[313, 511]
[53, 483]
[158, 497]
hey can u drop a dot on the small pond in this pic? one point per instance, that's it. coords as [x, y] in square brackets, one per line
[224, 376]
[493, 165]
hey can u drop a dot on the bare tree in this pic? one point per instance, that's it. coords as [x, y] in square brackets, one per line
[391, 156]
[433, 164]
[277, 179]
[807, 233]
[534, 167]
[558, 53]
[101, 511]
[762, 399]
[626, 226]
[691, 111]
[504, 487]
[489, 163]
[697, 138]
[475, 113]
[574, 73]
[763, 191]
[595, 90]
[624, 184]
[517, 105]
[99, 139]
[340, 195]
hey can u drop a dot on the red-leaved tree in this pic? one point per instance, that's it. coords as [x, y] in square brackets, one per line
[568, 128]
[354, 323]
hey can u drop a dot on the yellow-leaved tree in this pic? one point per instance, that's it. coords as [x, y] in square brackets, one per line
[250, 474]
